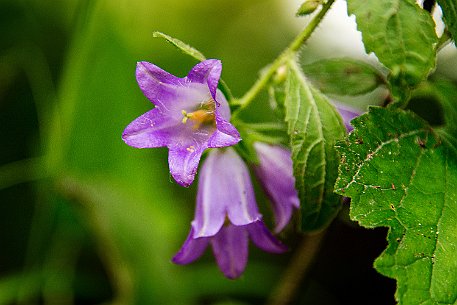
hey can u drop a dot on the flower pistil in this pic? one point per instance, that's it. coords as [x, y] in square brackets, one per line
[204, 115]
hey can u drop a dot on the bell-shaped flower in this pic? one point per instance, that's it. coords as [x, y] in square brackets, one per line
[226, 216]
[224, 191]
[275, 173]
[190, 115]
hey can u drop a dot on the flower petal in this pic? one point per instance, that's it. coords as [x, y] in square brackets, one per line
[224, 189]
[263, 239]
[207, 72]
[225, 135]
[191, 250]
[230, 247]
[183, 162]
[151, 129]
[222, 106]
[283, 214]
[157, 85]
[238, 189]
[275, 172]
[185, 118]
[211, 205]
[347, 114]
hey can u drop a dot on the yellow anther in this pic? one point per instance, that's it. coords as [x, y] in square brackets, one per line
[203, 116]
[185, 116]
[191, 149]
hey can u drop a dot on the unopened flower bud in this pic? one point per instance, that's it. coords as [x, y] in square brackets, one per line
[308, 7]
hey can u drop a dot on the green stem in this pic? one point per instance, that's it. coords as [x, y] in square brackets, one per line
[22, 171]
[266, 126]
[444, 40]
[290, 51]
[299, 266]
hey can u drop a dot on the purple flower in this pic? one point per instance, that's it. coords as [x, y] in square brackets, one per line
[226, 216]
[275, 173]
[224, 191]
[347, 114]
[190, 115]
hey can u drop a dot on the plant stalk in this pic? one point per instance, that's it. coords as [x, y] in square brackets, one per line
[290, 51]
[303, 258]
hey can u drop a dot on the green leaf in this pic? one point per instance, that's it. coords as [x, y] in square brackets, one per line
[438, 95]
[401, 176]
[313, 126]
[449, 8]
[446, 92]
[185, 48]
[402, 35]
[423, 99]
[343, 76]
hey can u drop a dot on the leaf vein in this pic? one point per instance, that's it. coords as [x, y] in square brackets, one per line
[377, 149]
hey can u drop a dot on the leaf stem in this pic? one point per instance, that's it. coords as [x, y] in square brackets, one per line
[290, 51]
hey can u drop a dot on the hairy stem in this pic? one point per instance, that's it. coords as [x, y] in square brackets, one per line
[291, 50]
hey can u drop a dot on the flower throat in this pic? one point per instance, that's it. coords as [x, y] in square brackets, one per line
[205, 115]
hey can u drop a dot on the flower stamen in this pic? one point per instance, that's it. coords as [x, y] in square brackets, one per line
[205, 115]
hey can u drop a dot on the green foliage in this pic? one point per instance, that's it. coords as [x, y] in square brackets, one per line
[449, 8]
[446, 93]
[96, 221]
[400, 175]
[343, 76]
[440, 95]
[402, 35]
[313, 125]
[122, 197]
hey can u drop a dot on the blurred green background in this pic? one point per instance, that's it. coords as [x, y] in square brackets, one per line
[86, 219]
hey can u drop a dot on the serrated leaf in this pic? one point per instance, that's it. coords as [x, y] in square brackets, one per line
[399, 175]
[313, 126]
[449, 8]
[343, 76]
[185, 48]
[402, 35]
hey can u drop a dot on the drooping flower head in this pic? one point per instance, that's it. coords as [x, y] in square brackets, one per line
[224, 191]
[190, 115]
[226, 216]
[275, 173]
